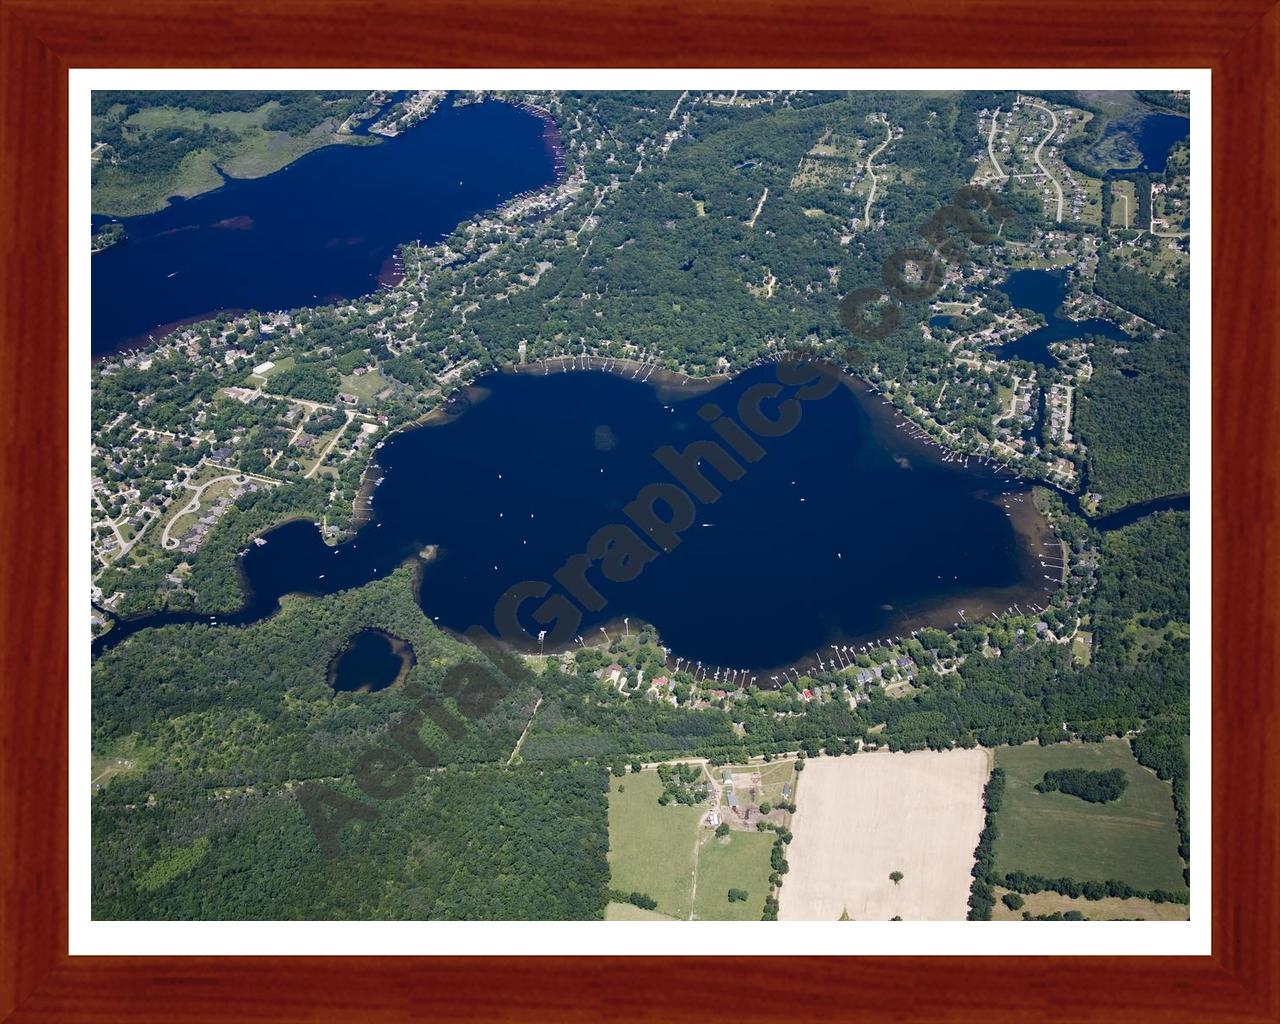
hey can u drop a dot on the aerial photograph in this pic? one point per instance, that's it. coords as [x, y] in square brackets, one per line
[640, 505]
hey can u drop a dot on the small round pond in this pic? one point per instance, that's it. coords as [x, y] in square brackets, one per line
[371, 661]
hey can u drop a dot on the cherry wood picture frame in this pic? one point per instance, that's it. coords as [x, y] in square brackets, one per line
[41, 39]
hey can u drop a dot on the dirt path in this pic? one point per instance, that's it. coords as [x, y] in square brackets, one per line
[698, 836]
[871, 196]
[759, 206]
[693, 891]
[1053, 128]
[528, 725]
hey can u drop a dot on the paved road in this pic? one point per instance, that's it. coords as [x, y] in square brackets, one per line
[194, 504]
[329, 447]
[1053, 128]
[991, 144]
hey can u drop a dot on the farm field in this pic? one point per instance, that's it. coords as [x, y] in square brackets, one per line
[863, 817]
[1109, 909]
[1133, 839]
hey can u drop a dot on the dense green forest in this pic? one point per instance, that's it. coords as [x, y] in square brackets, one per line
[482, 844]
[234, 720]
[1134, 417]
[1165, 305]
[1094, 786]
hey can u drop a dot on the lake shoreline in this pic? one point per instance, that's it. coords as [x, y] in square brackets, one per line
[181, 259]
[1033, 531]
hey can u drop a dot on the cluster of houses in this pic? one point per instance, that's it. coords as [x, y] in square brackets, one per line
[194, 537]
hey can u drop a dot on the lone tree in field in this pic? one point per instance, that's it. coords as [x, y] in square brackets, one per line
[895, 877]
[738, 895]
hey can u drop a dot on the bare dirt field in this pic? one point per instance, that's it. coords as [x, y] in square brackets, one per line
[864, 817]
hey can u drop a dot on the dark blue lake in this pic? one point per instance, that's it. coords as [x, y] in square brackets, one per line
[1155, 136]
[843, 528]
[1043, 291]
[321, 229]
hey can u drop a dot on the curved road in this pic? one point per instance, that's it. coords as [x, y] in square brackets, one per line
[1040, 163]
[888, 135]
[194, 504]
[991, 144]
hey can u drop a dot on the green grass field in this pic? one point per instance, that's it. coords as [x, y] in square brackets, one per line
[740, 860]
[1082, 648]
[652, 848]
[1133, 840]
[1122, 217]
[656, 850]
[1109, 909]
[626, 912]
[365, 386]
[256, 380]
[1091, 213]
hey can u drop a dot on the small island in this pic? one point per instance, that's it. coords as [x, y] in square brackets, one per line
[107, 235]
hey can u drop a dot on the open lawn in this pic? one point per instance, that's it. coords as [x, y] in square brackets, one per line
[1124, 204]
[119, 757]
[1110, 909]
[652, 849]
[365, 386]
[256, 380]
[863, 817]
[1082, 648]
[1133, 839]
[738, 861]
[1140, 640]
[1091, 211]
[626, 912]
